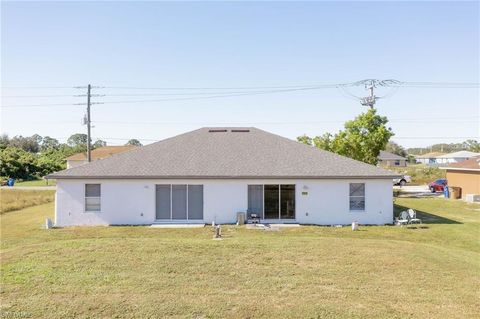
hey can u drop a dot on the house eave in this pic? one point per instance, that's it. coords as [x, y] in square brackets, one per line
[460, 169]
[224, 177]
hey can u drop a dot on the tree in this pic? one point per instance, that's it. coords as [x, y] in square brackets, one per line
[49, 143]
[17, 163]
[4, 141]
[472, 145]
[99, 143]
[324, 142]
[77, 139]
[134, 142]
[37, 138]
[28, 144]
[305, 139]
[51, 161]
[395, 148]
[362, 139]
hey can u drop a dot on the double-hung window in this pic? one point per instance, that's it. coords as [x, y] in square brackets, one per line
[357, 196]
[92, 197]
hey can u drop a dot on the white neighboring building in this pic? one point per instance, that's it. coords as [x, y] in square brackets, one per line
[428, 158]
[456, 157]
[211, 174]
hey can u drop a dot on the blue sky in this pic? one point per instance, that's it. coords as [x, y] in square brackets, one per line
[155, 44]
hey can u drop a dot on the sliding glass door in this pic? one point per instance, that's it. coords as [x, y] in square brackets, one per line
[255, 199]
[275, 201]
[287, 201]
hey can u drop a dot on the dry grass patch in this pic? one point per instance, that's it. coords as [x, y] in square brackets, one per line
[15, 199]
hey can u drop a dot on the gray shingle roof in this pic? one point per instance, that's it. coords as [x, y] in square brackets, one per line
[389, 156]
[225, 153]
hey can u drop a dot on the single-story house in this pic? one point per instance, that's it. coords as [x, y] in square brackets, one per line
[428, 158]
[456, 157]
[387, 159]
[465, 175]
[96, 154]
[210, 174]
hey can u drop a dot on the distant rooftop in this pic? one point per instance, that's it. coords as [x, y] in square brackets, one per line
[385, 156]
[430, 155]
[470, 164]
[460, 154]
[101, 152]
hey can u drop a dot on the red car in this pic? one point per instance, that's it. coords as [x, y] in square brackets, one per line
[438, 185]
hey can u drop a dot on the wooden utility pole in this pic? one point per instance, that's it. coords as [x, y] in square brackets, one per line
[89, 139]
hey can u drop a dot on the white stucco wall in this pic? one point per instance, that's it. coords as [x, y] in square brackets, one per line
[133, 201]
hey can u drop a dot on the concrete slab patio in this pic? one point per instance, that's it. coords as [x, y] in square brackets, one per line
[177, 225]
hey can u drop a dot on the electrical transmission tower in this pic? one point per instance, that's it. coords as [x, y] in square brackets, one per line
[371, 85]
[370, 100]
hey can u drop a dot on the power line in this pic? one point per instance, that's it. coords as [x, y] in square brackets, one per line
[225, 123]
[172, 99]
[169, 99]
[388, 82]
[227, 88]
[369, 84]
[416, 120]
[37, 105]
[39, 87]
[37, 96]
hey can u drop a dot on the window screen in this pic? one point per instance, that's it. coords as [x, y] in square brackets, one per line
[179, 201]
[92, 197]
[163, 201]
[357, 196]
[195, 201]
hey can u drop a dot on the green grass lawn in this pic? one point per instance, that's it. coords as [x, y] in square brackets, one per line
[431, 271]
[36, 182]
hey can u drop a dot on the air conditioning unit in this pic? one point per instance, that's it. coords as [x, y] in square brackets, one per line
[472, 198]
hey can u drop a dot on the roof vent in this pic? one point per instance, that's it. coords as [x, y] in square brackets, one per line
[216, 131]
[240, 131]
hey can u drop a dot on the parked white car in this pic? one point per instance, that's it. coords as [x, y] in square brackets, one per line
[402, 181]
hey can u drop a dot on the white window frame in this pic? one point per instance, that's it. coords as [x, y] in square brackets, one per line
[357, 196]
[97, 197]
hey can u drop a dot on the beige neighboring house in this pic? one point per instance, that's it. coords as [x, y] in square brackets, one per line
[387, 159]
[98, 153]
[465, 175]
